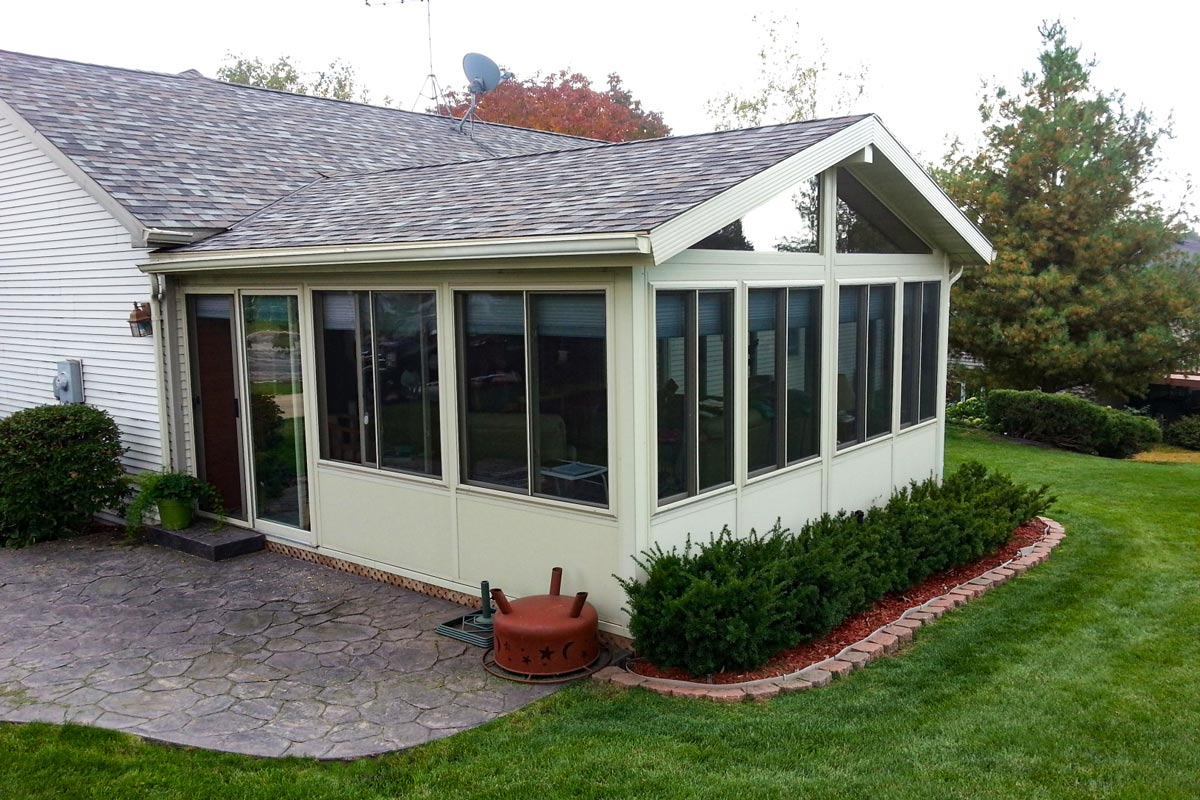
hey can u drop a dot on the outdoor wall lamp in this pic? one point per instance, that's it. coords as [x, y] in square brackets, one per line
[140, 323]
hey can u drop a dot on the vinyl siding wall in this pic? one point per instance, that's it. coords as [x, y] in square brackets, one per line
[68, 278]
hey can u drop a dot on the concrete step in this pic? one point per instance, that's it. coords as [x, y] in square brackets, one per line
[201, 540]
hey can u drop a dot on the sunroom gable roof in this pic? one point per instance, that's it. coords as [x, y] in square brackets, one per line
[660, 195]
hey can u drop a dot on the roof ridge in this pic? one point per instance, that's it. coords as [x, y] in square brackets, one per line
[599, 144]
[200, 76]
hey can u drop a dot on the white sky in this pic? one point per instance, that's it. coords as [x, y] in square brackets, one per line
[925, 59]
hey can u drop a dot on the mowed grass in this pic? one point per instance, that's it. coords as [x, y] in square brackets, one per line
[1080, 679]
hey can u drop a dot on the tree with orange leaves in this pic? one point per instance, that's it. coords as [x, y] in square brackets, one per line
[565, 102]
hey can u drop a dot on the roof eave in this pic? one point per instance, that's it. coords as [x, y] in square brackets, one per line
[967, 245]
[624, 244]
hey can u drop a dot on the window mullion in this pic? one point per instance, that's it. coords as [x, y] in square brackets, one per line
[782, 345]
[532, 402]
[372, 344]
[864, 369]
[426, 428]
[691, 404]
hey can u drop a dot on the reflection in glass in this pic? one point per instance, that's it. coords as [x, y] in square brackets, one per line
[787, 223]
[803, 373]
[930, 336]
[763, 413]
[492, 357]
[672, 313]
[866, 225]
[405, 359]
[346, 398]
[569, 382]
[849, 359]
[714, 358]
[783, 409]
[272, 327]
[910, 354]
[881, 300]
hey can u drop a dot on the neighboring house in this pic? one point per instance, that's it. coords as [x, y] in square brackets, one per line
[456, 356]
[1178, 394]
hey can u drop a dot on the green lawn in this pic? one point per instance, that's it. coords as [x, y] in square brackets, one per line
[1080, 679]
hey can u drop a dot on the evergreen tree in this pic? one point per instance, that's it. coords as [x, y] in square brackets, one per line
[1085, 291]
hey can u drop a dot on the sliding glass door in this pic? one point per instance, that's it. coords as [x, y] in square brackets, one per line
[275, 388]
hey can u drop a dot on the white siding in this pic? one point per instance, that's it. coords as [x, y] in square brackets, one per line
[68, 279]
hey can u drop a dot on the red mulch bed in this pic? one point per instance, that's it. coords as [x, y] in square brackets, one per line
[856, 627]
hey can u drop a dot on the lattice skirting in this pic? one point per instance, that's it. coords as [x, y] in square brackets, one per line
[613, 641]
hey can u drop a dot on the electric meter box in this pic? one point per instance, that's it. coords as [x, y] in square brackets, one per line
[68, 383]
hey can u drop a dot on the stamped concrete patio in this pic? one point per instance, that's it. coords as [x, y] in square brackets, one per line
[264, 654]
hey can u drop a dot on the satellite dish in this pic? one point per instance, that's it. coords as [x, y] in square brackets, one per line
[482, 76]
[482, 73]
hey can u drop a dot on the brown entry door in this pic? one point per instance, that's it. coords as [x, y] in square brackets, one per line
[215, 400]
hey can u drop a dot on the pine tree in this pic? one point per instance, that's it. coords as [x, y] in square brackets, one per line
[1085, 291]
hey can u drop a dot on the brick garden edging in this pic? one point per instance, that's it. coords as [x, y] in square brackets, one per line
[883, 642]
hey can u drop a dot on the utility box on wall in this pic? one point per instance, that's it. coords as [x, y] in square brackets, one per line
[68, 383]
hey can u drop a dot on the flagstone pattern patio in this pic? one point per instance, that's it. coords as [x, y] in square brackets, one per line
[264, 654]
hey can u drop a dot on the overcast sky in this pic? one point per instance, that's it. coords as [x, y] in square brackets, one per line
[925, 61]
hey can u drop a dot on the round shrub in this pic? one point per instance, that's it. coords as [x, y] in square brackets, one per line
[1184, 432]
[971, 412]
[59, 466]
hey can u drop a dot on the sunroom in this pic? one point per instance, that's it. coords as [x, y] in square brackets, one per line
[481, 371]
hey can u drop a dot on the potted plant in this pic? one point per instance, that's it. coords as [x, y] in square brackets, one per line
[175, 494]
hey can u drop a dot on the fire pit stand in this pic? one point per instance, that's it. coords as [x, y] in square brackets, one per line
[545, 638]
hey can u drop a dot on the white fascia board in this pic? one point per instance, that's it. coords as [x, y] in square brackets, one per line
[676, 235]
[916, 175]
[679, 233]
[637, 244]
[136, 229]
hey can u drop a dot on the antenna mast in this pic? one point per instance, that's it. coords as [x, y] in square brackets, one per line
[436, 94]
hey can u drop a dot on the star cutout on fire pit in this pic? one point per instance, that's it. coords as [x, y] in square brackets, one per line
[546, 653]
[526, 659]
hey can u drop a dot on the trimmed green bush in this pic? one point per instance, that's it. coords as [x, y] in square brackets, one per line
[1184, 432]
[731, 604]
[1071, 423]
[59, 466]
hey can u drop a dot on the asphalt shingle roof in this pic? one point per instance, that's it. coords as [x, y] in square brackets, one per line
[183, 151]
[629, 187]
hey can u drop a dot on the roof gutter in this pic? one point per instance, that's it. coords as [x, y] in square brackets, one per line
[629, 244]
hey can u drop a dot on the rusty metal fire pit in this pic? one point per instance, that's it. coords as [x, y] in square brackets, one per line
[545, 637]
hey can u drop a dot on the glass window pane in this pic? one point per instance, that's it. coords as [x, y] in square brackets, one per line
[803, 373]
[671, 311]
[344, 350]
[492, 353]
[714, 319]
[849, 349]
[406, 365]
[881, 300]
[787, 223]
[272, 327]
[866, 225]
[910, 354]
[930, 336]
[569, 382]
[762, 391]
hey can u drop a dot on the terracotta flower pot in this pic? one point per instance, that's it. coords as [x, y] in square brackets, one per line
[175, 515]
